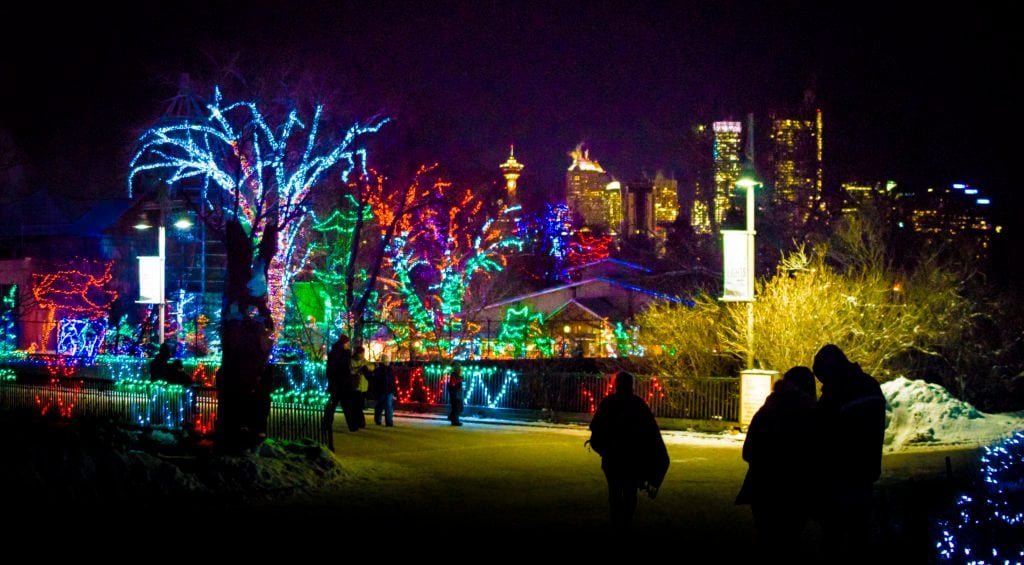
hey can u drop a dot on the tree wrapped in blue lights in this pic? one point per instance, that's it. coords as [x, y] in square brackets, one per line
[987, 525]
[255, 183]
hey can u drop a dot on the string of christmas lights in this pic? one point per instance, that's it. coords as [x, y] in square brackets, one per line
[275, 180]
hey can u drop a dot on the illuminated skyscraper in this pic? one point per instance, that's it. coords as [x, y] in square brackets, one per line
[589, 194]
[666, 199]
[726, 151]
[796, 162]
[511, 169]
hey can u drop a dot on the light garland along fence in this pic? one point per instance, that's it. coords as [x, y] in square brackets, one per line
[496, 387]
[154, 405]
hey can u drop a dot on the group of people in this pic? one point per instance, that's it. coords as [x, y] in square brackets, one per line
[808, 457]
[350, 378]
[162, 368]
[811, 457]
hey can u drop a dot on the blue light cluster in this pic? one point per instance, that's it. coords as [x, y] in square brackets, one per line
[987, 526]
[81, 338]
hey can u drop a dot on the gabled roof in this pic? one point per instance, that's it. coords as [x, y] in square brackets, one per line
[621, 284]
[599, 308]
[618, 262]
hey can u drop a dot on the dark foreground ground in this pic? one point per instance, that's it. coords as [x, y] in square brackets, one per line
[426, 489]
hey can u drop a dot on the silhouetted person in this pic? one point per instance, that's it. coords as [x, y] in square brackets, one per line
[851, 427]
[779, 450]
[360, 385]
[455, 394]
[633, 455]
[176, 374]
[383, 387]
[339, 384]
[158, 367]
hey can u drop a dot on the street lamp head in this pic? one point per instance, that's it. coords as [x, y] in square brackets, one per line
[748, 177]
[143, 223]
[183, 222]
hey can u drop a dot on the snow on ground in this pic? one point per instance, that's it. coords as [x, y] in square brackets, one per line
[920, 414]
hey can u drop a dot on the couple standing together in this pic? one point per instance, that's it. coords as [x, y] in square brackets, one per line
[818, 457]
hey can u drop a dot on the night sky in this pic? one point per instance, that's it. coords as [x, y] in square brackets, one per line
[922, 97]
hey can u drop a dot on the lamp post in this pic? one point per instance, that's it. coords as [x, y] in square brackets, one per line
[152, 287]
[748, 181]
[738, 259]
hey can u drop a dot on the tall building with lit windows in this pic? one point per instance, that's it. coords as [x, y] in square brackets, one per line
[589, 193]
[796, 147]
[666, 199]
[726, 153]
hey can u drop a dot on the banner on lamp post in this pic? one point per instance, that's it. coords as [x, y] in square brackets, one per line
[151, 280]
[737, 266]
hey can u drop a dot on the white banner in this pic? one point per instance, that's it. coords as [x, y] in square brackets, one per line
[737, 259]
[151, 280]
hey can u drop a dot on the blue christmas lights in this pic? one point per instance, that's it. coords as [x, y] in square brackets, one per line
[987, 528]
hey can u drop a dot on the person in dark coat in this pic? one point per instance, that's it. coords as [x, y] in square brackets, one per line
[382, 384]
[455, 395]
[339, 384]
[851, 428]
[159, 367]
[633, 455]
[779, 451]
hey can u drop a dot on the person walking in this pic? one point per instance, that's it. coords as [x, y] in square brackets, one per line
[779, 451]
[633, 455]
[851, 430]
[383, 386]
[455, 395]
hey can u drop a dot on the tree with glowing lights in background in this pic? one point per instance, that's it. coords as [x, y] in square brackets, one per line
[434, 263]
[355, 239]
[255, 183]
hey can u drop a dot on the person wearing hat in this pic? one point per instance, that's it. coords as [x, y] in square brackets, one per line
[851, 431]
[779, 451]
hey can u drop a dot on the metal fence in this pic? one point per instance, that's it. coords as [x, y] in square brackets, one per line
[150, 405]
[581, 393]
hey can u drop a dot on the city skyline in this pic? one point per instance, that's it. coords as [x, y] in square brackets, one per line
[462, 82]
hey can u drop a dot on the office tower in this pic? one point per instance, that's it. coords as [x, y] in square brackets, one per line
[726, 154]
[796, 173]
[589, 194]
[666, 199]
[511, 169]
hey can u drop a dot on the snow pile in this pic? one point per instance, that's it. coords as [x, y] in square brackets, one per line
[922, 414]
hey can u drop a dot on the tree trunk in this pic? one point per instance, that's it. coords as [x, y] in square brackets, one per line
[244, 378]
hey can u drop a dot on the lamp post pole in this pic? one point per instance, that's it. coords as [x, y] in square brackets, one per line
[751, 252]
[162, 253]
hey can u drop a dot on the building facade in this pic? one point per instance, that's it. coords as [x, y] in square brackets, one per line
[728, 136]
[589, 194]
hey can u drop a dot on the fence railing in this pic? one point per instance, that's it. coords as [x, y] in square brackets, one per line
[170, 407]
[496, 387]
